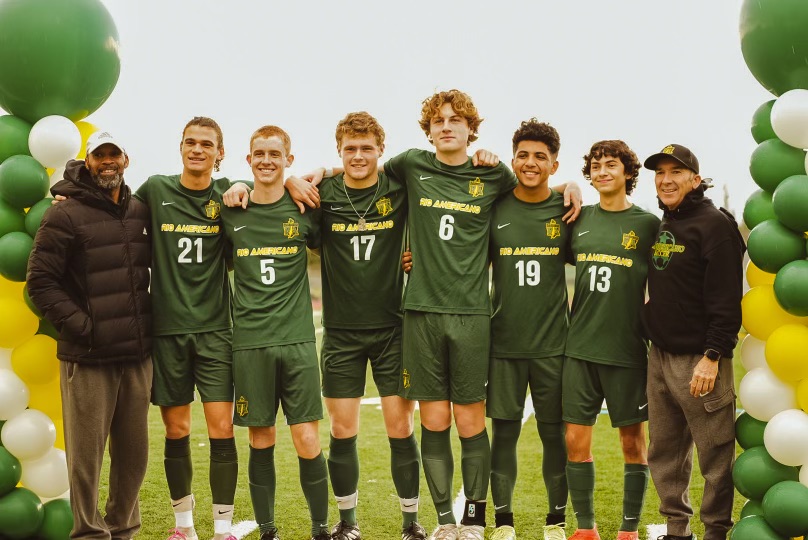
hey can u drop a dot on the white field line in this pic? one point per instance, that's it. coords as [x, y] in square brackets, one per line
[243, 528]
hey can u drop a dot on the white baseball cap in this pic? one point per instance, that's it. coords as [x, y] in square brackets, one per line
[100, 138]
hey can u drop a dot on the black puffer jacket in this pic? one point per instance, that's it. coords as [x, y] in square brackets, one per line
[89, 272]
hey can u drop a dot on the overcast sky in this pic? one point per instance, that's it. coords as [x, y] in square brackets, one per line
[647, 72]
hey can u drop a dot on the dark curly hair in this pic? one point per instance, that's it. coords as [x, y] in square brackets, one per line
[533, 130]
[617, 149]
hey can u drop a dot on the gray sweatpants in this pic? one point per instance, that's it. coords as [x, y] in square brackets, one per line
[100, 402]
[675, 421]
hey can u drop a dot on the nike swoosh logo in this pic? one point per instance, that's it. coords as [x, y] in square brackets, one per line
[582, 233]
[336, 208]
[498, 507]
[628, 518]
[445, 513]
[502, 226]
[167, 203]
[643, 406]
[424, 177]
[224, 512]
[238, 228]
[560, 507]
[413, 505]
[176, 505]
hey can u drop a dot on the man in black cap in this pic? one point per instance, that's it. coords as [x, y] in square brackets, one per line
[692, 319]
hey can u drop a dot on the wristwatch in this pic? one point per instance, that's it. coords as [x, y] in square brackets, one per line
[712, 354]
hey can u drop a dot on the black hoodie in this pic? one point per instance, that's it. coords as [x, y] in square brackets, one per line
[695, 279]
[89, 272]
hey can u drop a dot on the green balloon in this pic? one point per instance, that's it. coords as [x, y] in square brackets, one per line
[791, 288]
[58, 521]
[29, 302]
[10, 471]
[771, 246]
[13, 137]
[786, 508]
[34, 216]
[21, 514]
[749, 431]
[755, 471]
[774, 43]
[773, 161]
[15, 247]
[752, 508]
[23, 181]
[790, 202]
[11, 219]
[56, 57]
[754, 528]
[46, 328]
[762, 123]
[758, 208]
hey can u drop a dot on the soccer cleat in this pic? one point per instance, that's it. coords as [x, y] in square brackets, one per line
[224, 536]
[555, 532]
[270, 535]
[322, 535]
[471, 532]
[674, 537]
[628, 535]
[445, 532]
[344, 531]
[413, 532]
[586, 534]
[183, 533]
[506, 532]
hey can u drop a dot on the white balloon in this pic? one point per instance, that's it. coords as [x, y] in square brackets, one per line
[57, 175]
[29, 435]
[790, 118]
[14, 395]
[5, 358]
[753, 353]
[46, 476]
[763, 395]
[54, 140]
[65, 495]
[786, 437]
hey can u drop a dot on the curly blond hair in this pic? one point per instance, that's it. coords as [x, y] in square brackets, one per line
[461, 104]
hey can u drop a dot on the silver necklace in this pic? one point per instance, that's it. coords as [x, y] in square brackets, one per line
[361, 225]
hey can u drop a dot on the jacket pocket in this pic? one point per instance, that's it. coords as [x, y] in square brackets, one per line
[720, 401]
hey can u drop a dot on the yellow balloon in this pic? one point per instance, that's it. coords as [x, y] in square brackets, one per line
[18, 325]
[10, 289]
[86, 129]
[47, 398]
[787, 352]
[755, 276]
[35, 360]
[762, 315]
[802, 394]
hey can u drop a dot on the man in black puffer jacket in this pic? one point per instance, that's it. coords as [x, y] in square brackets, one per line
[89, 276]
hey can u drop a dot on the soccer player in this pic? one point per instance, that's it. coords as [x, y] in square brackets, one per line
[274, 355]
[364, 215]
[192, 327]
[528, 250]
[606, 354]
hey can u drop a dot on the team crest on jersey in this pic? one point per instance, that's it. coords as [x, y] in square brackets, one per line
[291, 228]
[553, 229]
[406, 376]
[630, 240]
[384, 206]
[213, 209]
[241, 406]
[476, 187]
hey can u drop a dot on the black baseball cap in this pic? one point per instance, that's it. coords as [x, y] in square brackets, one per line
[680, 153]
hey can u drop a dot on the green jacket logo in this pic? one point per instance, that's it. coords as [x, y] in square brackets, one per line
[663, 250]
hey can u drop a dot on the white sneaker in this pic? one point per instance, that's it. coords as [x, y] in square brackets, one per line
[555, 532]
[471, 532]
[506, 532]
[445, 532]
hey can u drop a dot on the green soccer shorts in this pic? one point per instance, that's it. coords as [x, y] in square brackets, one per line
[445, 357]
[280, 375]
[509, 379]
[344, 357]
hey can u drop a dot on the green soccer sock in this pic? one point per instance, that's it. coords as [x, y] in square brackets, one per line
[223, 470]
[436, 454]
[581, 480]
[635, 482]
[405, 466]
[261, 475]
[343, 467]
[475, 464]
[178, 466]
[503, 463]
[314, 481]
[553, 465]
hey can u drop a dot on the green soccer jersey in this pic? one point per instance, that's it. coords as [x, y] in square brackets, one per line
[449, 221]
[190, 289]
[611, 266]
[361, 269]
[528, 251]
[272, 302]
